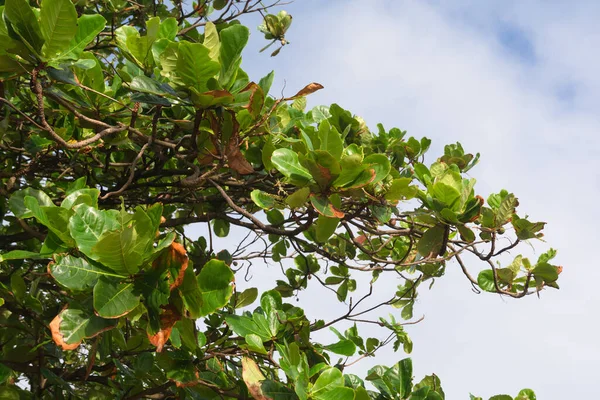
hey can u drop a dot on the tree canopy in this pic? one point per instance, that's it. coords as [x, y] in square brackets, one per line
[122, 123]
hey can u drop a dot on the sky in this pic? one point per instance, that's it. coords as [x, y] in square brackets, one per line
[516, 81]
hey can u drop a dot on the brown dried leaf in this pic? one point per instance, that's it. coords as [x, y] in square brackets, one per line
[238, 162]
[167, 320]
[308, 89]
[58, 337]
[252, 378]
[178, 253]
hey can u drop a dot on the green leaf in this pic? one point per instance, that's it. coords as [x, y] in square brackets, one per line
[16, 202]
[124, 250]
[324, 207]
[113, 299]
[276, 391]
[275, 217]
[54, 218]
[526, 394]
[77, 324]
[485, 280]
[25, 23]
[58, 20]
[338, 393]
[88, 224]
[214, 282]
[233, 41]
[546, 271]
[194, 66]
[262, 199]
[246, 298]
[77, 273]
[23, 254]
[344, 347]
[399, 377]
[255, 343]
[298, 198]
[17, 285]
[168, 29]
[432, 241]
[328, 380]
[400, 190]
[244, 326]
[331, 140]
[190, 293]
[325, 227]
[380, 164]
[501, 397]
[76, 197]
[88, 27]
[221, 228]
[148, 85]
[212, 41]
[286, 162]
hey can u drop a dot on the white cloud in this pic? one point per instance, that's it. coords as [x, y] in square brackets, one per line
[438, 69]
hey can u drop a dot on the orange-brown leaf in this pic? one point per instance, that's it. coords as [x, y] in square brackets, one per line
[168, 318]
[58, 337]
[308, 89]
[178, 253]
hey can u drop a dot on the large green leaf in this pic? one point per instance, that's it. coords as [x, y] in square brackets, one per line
[246, 298]
[331, 140]
[77, 324]
[286, 162]
[148, 85]
[190, 293]
[233, 41]
[399, 377]
[126, 248]
[113, 299]
[77, 273]
[485, 280]
[58, 20]
[212, 41]
[88, 27]
[23, 254]
[328, 380]
[244, 326]
[88, 224]
[194, 66]
[432, 241]
[325, 227]
[17, 205]
[214, 282]
[24, 23]
[344, 347]
[54, 218]
[75, 198]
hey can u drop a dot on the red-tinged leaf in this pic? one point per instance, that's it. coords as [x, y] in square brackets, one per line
[360, 239]
[325, 208]
[168, 318]
[306, 90]
[57, 336]
[257, 99]
[175, 261]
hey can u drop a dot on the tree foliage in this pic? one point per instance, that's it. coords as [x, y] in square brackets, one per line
[124, 122]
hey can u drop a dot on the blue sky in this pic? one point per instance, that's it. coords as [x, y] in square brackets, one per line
[518, 82]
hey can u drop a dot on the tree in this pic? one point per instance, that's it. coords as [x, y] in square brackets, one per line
[124, 122]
